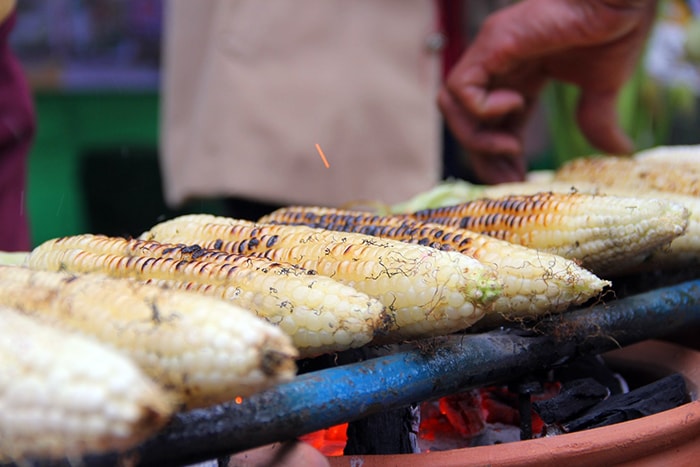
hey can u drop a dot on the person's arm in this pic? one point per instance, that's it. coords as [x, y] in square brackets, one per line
[491, 91]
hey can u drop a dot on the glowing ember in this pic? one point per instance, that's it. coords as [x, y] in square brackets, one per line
[480, 416]
[330, 441]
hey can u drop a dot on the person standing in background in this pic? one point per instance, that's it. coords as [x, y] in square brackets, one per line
[17, 126]
[250, 87]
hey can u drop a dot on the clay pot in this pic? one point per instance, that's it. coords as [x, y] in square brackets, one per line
[668, 438]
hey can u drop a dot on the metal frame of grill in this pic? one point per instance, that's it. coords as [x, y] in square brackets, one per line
[415, 373]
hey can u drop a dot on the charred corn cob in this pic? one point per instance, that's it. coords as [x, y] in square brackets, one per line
[453, 191]
[624, 172]
[320, 314]
[683, 250]
[666, 172]
[606, 234]
[203, 349]
[427, 291]
[534, 283]
[65, 395]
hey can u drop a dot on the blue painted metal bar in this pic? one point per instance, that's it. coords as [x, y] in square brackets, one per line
[336, 395]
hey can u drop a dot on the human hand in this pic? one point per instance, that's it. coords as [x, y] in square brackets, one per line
[491, 91]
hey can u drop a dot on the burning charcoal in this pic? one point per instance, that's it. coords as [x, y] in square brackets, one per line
[463, 410]
[500, 406]
[525, 388]
[664, 394]
[575, 397]
[390, 432]
[594, 367]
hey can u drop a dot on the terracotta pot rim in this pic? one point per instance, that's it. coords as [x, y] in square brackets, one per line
[674, 429]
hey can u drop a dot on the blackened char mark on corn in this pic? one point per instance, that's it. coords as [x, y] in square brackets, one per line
[204, 350]
[534, 283]
[320, 314]
[429, 291]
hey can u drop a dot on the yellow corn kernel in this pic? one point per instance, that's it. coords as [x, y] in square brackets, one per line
[204, 349]
[605, 234]
[63, 395]
[534, 283]
[428, 291]
[320, 314]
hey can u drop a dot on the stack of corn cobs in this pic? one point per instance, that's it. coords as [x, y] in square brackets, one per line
[105, 338]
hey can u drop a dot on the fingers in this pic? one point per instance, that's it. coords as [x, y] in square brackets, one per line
[490, 104]
[486, 98]
[492, 88]
[597, 118]
[497, 168]
[470, 87]
[493, 144]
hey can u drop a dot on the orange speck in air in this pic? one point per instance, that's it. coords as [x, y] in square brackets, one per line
[323, 156]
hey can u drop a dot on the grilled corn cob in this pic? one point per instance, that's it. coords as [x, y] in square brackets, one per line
[427, 291]
[319, 313]
[683, 250]
[451, 192]
[688, 156]
[203, 349]
[65, 395]
[606, 234]
[534, 283]
[624, 172]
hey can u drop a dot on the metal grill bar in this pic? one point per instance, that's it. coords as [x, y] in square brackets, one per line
[328, 397]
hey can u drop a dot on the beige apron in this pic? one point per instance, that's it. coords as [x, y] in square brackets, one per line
[250, 87]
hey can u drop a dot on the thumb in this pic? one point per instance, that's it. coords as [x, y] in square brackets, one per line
[598, 120]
